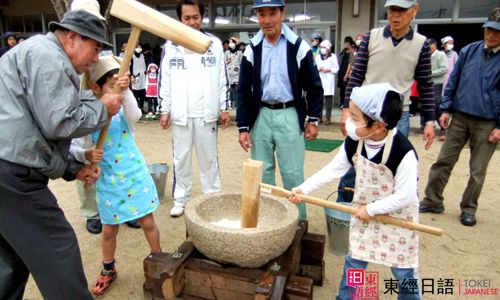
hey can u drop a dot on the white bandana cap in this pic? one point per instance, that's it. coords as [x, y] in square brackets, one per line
[96, 71]
[326, 44]
[446, 39]
[370, 99]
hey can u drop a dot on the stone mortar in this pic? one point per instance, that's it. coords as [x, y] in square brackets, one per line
[244, 247]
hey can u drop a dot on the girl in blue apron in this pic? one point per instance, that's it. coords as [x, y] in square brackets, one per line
[386, 164]
[125, 189]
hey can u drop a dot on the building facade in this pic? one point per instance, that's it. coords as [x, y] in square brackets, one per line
[333, 19]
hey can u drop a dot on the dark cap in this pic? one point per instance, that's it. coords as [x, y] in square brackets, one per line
[8, 34]
[83, 23]
[431, 41]
[268, 3]
[493, 19]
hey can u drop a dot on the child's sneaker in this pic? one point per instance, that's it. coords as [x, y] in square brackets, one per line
[105, 279]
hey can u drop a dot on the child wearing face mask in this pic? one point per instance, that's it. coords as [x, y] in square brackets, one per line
[387, 184]
[152, 90]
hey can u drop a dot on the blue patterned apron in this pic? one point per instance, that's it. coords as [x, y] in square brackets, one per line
[125, 190]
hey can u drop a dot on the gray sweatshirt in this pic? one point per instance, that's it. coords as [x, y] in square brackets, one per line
[41, 110]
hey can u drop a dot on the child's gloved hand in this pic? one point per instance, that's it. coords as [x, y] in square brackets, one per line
[362, 214]
[294, 198]
[94, 155]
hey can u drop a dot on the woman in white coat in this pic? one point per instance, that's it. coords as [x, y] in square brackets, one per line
[328, 68]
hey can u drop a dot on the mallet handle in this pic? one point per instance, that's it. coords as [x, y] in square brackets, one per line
[124, 67]
[277, 191]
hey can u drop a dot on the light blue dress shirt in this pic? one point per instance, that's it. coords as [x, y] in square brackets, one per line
[276, 85]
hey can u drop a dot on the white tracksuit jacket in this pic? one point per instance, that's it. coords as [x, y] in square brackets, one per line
[174, 84]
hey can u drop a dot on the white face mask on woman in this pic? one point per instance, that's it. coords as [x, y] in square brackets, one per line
[138, 50]
[449, 47]
[323, 51]
[351, 127]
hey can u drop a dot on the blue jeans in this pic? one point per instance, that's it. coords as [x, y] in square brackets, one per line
[348, 180]
[399, 273]
[404, 123]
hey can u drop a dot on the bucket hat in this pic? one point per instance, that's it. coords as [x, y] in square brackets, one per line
[84, 23]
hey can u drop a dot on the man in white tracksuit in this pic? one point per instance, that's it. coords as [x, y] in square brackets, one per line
[192, 93]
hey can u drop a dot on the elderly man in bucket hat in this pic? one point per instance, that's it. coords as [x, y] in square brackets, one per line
[41, 112]
[276, 69]
[472, 96]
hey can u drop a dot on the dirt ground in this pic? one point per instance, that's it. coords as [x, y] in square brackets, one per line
[461, 254]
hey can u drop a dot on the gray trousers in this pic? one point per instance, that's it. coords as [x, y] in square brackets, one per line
[327, 107]
[463, 128]
[36, 238]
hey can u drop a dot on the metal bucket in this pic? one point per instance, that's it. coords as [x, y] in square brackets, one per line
[159, 173]
[337, 224]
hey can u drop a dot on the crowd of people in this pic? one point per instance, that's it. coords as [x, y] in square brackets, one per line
[58, 94]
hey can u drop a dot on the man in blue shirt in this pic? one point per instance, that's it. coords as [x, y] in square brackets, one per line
[472, 95]
[276, 69]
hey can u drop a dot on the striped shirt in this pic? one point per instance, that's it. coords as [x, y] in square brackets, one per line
[423, 72]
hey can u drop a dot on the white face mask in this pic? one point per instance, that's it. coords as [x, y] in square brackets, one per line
[138, 50]
[232, 45]
[449, 47]
[351, 127]
[323, 51]
[314, 43]
[357, 42]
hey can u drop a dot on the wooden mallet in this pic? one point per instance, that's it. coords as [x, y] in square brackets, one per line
[277, 191]
[143, 17]
[250, 193]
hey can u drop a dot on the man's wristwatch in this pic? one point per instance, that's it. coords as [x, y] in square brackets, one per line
[315, 123]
